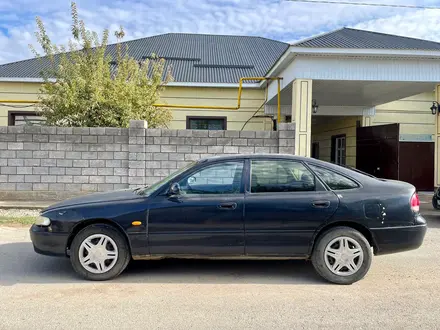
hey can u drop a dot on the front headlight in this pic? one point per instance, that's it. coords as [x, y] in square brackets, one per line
[42, 221]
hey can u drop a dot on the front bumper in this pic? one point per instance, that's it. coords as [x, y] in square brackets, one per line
[398, 239]
[48, 243]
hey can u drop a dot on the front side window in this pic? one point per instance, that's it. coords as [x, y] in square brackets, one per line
[223, 178]
[148, 190]
[280, 176]
[209, 123]
[334, 180]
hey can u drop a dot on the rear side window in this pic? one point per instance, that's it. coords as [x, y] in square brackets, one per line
[334, 180]
[280, 176]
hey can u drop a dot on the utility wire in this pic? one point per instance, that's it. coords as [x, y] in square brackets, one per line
[253, 116]
[261, 106]
[365, 4]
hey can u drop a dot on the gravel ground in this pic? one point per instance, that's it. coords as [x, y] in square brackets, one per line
[401, 291]
[17, 213]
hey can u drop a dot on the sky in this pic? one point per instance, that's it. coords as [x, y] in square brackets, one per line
[276, 19]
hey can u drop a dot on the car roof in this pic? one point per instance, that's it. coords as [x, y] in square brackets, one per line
[353, 173]
[258, 156]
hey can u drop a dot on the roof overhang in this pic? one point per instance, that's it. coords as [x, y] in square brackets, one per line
[171, 84]
[338, 64]
[21, 79]
[294, 51]
[213, 85]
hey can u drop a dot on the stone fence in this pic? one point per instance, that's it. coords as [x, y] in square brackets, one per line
[57, 162]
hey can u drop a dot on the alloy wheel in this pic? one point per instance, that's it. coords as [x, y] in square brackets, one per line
[343, 256]
[98, 253]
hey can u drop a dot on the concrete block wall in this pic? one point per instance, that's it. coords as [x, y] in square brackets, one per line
[168, 150]
[57, 162]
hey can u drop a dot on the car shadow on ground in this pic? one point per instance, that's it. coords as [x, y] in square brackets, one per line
[20, 264]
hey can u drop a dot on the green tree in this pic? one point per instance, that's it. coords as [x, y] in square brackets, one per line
[89, 85]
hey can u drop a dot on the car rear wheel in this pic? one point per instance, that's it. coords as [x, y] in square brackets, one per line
[99, 252]
[342, 255]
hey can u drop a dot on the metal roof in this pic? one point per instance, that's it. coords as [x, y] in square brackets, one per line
[352, 38]
[203, 58]
[192, 57]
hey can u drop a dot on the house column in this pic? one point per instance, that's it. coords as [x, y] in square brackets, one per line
[366, 121]
[437, 142]
[302, 115]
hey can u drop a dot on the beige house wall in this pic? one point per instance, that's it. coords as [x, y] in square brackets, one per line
[412, 113]
[252, 99]
[326, 127]
[17, 91]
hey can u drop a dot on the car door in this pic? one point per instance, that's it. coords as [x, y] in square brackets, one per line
[284, 205]
[205, 218]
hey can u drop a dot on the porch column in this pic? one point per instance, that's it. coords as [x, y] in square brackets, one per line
[366, 121]
[302, 115]
[437, 142]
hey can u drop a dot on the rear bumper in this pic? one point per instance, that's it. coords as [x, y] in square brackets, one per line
[48, 243]
[398, 239]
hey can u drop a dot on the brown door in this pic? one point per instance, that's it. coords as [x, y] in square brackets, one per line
[417, 164]
[377, 150]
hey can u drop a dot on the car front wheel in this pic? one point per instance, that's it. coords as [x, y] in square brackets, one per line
[342, 255]
[99, 252]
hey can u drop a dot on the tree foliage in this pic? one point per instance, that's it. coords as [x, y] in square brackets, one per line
[92, 84]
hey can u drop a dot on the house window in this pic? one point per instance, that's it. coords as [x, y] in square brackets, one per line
[210, 123]
[288, 119]
[338, 149]
[20, 118]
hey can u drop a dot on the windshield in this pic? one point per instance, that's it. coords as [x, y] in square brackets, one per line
[147, 191]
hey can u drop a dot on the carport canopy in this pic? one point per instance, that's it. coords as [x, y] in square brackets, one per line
[349, 72]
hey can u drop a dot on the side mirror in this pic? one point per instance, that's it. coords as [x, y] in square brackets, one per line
[174, 189]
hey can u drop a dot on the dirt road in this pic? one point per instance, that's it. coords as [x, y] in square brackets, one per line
[401, 291]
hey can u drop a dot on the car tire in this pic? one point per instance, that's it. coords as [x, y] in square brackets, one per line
[357, 256]
[434, 203]
[93, 238]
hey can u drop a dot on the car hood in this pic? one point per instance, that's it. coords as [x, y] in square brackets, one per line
[103, 197]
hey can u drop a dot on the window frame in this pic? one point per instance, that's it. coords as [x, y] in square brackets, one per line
[359, 185]
[319, 186]
[334, 149]
[205, 166]
[224, 118]
[13, 113]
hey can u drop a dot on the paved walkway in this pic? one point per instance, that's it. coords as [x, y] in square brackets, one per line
[29, 205]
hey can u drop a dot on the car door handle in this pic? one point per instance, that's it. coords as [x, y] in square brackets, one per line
[321, 204]
[227, 206]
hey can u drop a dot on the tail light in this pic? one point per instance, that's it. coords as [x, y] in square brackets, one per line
[415, 203]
